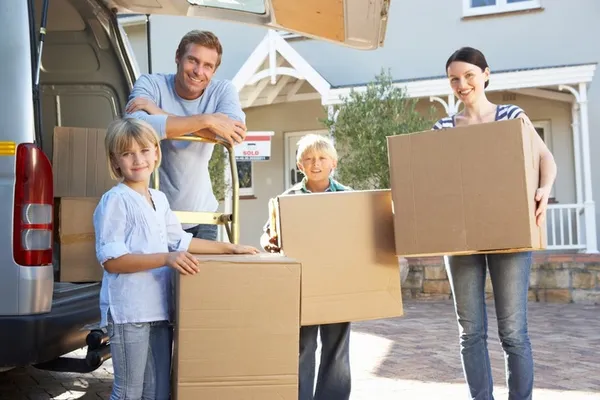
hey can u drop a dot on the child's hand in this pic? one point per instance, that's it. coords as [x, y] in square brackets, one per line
[272, 246]
[183, 262]
[241, 249]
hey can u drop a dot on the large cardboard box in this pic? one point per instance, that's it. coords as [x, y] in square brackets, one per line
[79, 163]
[345, 242]
[237, 329]
[466, 190]
[76, 237]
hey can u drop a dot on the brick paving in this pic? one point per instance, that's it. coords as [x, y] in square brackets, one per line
[413, 357]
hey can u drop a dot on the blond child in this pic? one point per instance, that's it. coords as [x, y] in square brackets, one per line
[316, 159]
[140, 244]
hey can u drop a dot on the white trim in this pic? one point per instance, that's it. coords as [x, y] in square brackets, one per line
[129, 51]
[501, 6]
[247, 191]
[533, 78]
[546, 125]
[545, 94]
[267, 49]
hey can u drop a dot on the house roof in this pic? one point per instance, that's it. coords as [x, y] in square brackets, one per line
[503, 71]
[549, 77]
[274, 61]
[277, 62]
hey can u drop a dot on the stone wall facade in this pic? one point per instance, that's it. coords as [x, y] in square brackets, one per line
[556, 278]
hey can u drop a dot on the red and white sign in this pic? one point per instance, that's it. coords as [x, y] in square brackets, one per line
[256, 147]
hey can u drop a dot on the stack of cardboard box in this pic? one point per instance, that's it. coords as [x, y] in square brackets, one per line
[460, 191]
[81, 177]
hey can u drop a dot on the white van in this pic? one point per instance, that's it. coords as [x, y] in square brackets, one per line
[85, 77]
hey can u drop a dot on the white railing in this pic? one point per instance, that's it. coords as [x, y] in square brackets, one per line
[565, 227]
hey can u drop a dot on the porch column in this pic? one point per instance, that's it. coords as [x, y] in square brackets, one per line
[450, 106]
[581, 119]
[590, 209]
[577, 150]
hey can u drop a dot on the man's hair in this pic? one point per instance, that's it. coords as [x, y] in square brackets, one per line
[201, 38]
[315, 143]
[120, 136]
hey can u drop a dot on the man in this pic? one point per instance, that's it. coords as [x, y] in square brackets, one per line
[190, 102]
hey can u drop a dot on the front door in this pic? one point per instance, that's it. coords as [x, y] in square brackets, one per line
[292, 173]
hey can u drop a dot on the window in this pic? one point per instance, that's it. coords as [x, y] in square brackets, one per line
[482, 7]
[245, 178]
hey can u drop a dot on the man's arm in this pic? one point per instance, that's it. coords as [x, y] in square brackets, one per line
[227, 122]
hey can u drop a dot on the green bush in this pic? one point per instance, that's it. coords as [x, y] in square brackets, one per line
[364, 121]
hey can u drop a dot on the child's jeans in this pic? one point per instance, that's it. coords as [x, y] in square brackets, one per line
[509, 274]
[141, 356]
[333, 382]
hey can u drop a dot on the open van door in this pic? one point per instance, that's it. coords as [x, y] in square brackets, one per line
[359, 24]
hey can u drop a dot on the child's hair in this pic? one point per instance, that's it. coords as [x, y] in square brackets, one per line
[120, 137]
[315, 143]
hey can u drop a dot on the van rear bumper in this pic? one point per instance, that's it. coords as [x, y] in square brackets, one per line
[33, 339]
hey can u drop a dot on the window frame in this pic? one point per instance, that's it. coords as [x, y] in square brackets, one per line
[247, 192]
[501, 6]
[546, 125]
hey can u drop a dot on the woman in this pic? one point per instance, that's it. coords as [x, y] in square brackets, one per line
[469, 75]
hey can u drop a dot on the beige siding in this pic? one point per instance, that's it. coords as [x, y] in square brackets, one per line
[269, 176]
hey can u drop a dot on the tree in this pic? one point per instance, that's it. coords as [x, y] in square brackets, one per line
[216, 168]
[361, 125]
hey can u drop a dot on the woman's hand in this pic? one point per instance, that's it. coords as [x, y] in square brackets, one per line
[541, 198]
[141, 103]
[183, 262]
[241, 249]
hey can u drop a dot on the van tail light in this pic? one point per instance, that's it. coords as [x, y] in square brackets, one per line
[33, 212]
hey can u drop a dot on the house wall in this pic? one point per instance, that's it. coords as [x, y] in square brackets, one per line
[560, 138]
[559, 34]
[556, 35]
[269, 176]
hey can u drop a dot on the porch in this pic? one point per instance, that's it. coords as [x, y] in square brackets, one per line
[555, 99]
[276, 77]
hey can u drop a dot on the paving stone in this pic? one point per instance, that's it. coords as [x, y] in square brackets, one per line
[413, 357]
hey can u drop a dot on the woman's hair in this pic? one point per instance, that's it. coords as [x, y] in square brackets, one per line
[315, 143]
[121, 135]
[471, 56]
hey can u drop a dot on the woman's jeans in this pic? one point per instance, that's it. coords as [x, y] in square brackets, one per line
[509, 274]
[141, 355]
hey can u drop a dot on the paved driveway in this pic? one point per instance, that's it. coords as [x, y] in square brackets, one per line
[414, 357]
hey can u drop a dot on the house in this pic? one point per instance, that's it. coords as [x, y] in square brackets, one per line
[541, 54]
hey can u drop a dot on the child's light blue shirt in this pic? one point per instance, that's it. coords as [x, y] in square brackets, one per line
[125, 223]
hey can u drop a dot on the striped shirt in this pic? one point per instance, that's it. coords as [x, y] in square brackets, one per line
[503, 112]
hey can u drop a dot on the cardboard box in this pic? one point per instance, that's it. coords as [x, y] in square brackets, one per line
[79, 163]
[345, 242]
[237, 329]
[466, 190]
[76, 237]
